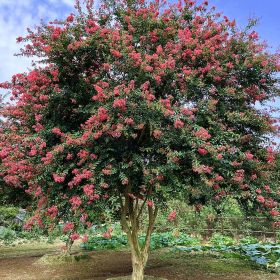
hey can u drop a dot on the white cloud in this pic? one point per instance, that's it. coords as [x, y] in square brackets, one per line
[10, 28]
[15, 17]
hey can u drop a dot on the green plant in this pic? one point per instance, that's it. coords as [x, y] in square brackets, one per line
[263, 255]
[7, 235]
[158, 240]
[8, 214]
[249, 240]
[101, 243]
[220, 240]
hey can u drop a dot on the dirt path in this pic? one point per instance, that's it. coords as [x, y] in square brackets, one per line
[102, 265]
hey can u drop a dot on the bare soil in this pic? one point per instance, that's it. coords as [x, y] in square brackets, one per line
[22, 264]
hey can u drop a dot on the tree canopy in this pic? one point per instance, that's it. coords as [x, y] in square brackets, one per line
[136, 103]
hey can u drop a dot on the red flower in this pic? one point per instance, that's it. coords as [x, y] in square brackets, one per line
[219, 178]
[219, 156]
[150, 203]
[33, 151]
[186, 111]
[56, 131]
[52, 211]
[56, 33]
[3, 153]
[264, 63]
[203, 134]
[129, 121]
[119, 103]
[83, 154]
[157, 133]
[197, 52]
[260, 199]
[88, 190]
[108, 233]
[74, 236]
[70, 18]
[172, 216]
[239, 175]
[116, 53]
[47, 49]
[203, 169]
[274, 213]
[19, 39]
[216, 187]
[75, 201]
[69, 156]
[68, 227]
[59, 178]
[229, 65]
[85, 238]
[178, 124]
[202, 151]
[249, 156]
[159, 49]
[98, 89]
[149, 68]
[107, 171]
[254, 35]
[102, 114]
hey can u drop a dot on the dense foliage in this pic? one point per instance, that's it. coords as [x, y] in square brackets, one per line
[136, 103]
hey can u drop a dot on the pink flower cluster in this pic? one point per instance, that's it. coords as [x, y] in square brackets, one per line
[239, 175]
[178, 124]
[59, 178]
[120, 103]
[74, 236]
[75, 202]
[202, 151]
[203, 134]
[172, 216]
[88, 190]
[203, 169]
[249, 155]
[79, 176]
[68, 227]
[52, 211]
[108, 233]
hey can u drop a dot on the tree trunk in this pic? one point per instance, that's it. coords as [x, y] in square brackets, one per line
[69, 244]
[139, 256]
[138, 267]
[130, 219]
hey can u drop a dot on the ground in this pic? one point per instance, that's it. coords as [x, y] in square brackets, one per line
[21, 263]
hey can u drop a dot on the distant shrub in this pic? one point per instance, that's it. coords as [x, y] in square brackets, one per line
[221, 240]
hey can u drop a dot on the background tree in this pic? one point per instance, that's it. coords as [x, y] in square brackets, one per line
[134, 104]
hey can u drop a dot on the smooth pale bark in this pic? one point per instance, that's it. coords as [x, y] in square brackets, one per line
[138, 269]
[131, 213]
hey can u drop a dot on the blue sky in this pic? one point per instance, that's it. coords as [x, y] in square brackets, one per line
[16, 15]
[267, 11]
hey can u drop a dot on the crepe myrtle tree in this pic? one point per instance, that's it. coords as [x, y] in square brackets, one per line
[136, 103]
